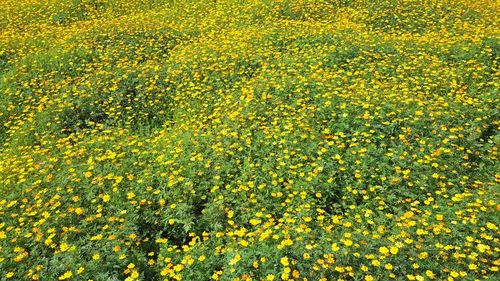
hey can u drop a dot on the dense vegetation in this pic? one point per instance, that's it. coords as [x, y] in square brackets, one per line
[249, 140]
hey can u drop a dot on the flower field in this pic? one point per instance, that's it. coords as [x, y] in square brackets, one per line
[249, 140]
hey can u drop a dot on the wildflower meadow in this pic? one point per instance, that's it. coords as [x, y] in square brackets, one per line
[249, 140]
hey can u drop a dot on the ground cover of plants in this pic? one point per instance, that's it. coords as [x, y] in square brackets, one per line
[249, 140]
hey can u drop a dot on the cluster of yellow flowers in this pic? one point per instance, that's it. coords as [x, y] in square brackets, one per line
[249, 140]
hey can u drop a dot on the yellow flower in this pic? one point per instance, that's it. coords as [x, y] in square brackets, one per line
[284, 261]
[394, 250]
[383, 250]
[106, 198]
[9, 274]
[368, 278]
[64, 247]
[255, 221]
[79, 211]
[348, 242]
[491, 226]
[482, 247]
[421, 231]
[215, 276]
[66, 275]
[423, 255]
[235, 260]
[165, 271]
